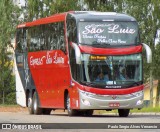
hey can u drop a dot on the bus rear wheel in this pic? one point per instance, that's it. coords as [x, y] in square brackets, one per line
[71, 112]
[30, 105]
[36, 109]
[123, 112]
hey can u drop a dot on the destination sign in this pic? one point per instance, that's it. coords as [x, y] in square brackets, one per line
[97, 57]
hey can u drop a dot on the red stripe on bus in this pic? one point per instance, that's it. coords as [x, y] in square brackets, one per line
[113, 91]
[111, 51]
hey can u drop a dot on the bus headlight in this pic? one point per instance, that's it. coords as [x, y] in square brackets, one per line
[139, 102]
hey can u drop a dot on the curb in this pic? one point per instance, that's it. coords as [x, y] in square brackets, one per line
[146, 113]
[138, 113]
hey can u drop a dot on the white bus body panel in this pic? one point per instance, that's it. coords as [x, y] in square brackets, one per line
[20, 92]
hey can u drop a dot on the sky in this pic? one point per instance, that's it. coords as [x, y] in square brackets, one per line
[22, 2]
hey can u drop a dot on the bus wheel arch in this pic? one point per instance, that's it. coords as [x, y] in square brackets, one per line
[71, 112]
[65, 98]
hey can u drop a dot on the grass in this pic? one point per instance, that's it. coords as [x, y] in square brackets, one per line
[147, 109]
[143, 110]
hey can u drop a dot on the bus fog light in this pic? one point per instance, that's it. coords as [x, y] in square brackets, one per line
[139, 102]
[86, 102]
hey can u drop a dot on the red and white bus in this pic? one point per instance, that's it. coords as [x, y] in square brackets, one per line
[80, 61]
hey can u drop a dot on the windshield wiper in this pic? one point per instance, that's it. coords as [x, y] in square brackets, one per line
[89, 84]
[133, 83]
[93, 84]
[136, 83]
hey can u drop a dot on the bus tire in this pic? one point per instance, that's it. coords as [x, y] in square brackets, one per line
[46, 111]
[36, 109]
[30, 105]
[123, 112]
[88, 113]
[71, 112]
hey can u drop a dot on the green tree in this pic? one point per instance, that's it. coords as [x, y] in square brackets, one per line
[156, 50]
[156, 70]
[104, 5]
[37, 9]
[8, 13]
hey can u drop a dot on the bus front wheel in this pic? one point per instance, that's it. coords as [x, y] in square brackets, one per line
[123, 112]
[36, 109]
[88, 113]
[71, 112]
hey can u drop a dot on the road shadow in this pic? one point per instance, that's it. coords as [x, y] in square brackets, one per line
[110, 115]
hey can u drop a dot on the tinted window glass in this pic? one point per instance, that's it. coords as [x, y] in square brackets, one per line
[21, 44]
[72, 31]
[47, 37]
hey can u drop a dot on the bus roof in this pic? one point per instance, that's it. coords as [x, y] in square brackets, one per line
[100, 16]
[50, 19]
[80, 16]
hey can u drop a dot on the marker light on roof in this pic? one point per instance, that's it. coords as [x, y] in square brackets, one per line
[103, 13]
[81, 20]
[108, 20]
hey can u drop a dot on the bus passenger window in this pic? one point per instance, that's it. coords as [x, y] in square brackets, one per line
[61, 37]
[21, 40]
[72, 31]
[53, 37]
[42, 35]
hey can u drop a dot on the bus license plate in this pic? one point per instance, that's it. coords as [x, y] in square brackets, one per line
[115, 104]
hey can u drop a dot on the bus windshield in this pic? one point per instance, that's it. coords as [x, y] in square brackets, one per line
[108, 33]
[112, 71]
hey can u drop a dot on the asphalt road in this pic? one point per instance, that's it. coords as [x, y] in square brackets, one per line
[62, 117]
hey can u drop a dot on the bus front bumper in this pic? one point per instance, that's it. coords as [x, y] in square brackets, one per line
[104, 102]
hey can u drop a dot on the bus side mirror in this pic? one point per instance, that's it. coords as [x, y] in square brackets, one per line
[77, 52]
[148, 53]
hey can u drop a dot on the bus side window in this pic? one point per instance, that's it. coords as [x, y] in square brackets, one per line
[18, 40]
[29, 39]
[42, 37]
[32, 39]
[56, 36]
[21, 40]
[53, 37]
[72, 37]
[61, 37]
[47, 34]
[36, 38]
[72, 31]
